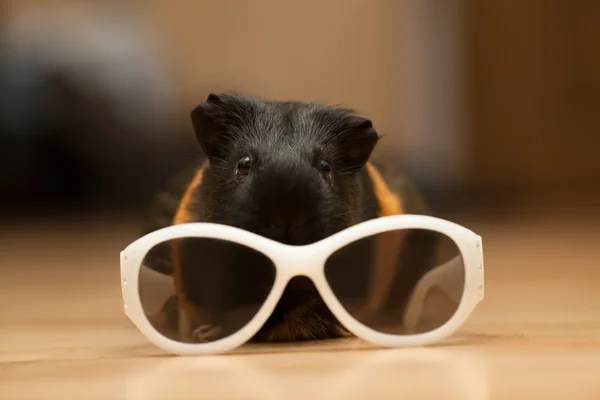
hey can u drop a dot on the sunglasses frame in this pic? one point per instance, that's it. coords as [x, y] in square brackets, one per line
[308, 260]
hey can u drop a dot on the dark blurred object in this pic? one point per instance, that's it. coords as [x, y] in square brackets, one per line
[85, 109]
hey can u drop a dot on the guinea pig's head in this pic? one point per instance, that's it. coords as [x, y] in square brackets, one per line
[287, 171]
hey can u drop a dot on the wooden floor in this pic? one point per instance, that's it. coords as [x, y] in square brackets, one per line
[536, 335]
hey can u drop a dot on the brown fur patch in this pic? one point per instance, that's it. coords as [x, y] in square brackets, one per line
[388, 244]
[390, 203]
[184, 211]
[190, 315]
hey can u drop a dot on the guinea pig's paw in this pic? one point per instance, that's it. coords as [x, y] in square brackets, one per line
[206, 333]
[342, 332]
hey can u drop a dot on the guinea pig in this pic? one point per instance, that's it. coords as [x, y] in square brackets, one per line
[292, 172]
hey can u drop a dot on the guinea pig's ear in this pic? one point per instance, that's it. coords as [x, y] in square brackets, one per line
[357, 142]
[215, 119]
[206, 126]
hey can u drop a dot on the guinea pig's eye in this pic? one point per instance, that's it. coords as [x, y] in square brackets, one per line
[325, 169]
[243, 166]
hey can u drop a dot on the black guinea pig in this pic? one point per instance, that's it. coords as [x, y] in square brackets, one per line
[289, 171]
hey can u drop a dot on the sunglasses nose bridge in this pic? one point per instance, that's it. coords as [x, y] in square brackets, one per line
[300, 260]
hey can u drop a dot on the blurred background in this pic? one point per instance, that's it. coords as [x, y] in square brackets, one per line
[492, 107]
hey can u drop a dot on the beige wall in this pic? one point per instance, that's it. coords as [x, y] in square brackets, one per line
[337, 51]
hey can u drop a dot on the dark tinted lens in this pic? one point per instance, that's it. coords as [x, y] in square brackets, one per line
[400, 282]
[199, 290]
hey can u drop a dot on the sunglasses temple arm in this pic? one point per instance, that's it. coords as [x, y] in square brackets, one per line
[448, 277]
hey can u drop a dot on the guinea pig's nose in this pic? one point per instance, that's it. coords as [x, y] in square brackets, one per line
[276, 221]
[287, 226]
[297, 223]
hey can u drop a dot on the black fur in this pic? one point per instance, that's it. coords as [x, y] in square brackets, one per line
[284, 196]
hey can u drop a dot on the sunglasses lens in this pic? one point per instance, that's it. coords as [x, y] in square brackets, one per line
[401, 282]
[198, 290]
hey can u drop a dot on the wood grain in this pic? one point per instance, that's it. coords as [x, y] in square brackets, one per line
[64, 336]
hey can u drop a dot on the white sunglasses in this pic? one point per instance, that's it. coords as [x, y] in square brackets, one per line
[405, 280]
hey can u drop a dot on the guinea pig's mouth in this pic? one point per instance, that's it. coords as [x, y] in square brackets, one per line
[300, 315]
